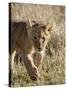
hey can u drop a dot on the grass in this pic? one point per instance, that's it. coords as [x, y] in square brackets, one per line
[53, 69]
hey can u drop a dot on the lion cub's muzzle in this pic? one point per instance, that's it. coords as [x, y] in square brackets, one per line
[39, 49]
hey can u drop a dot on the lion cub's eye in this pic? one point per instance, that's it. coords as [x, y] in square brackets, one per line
[43, 38]
[49, 30]
[35, 37]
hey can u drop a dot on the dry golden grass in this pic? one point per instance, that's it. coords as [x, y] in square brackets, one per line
[53, 64]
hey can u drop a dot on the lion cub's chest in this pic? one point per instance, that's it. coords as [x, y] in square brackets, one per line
[37, 57]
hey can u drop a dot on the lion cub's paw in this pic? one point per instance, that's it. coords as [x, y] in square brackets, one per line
[34, 74]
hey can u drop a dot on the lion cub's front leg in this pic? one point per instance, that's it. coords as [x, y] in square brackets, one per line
[38, 59]
[30, 66]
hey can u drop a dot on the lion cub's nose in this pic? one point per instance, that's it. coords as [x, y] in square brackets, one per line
[39, 49]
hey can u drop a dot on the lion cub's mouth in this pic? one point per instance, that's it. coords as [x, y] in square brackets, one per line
[38, 49]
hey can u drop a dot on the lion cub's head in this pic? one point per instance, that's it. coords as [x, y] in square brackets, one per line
[40, 35]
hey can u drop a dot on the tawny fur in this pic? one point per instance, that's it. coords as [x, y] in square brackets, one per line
[30, 41]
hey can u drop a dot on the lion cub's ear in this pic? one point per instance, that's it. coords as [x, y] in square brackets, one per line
[31, 22]
[48, 28]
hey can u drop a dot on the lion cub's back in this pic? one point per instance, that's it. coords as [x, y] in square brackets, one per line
[20, 39]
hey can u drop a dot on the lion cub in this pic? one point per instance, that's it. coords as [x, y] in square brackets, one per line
[30, 41]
